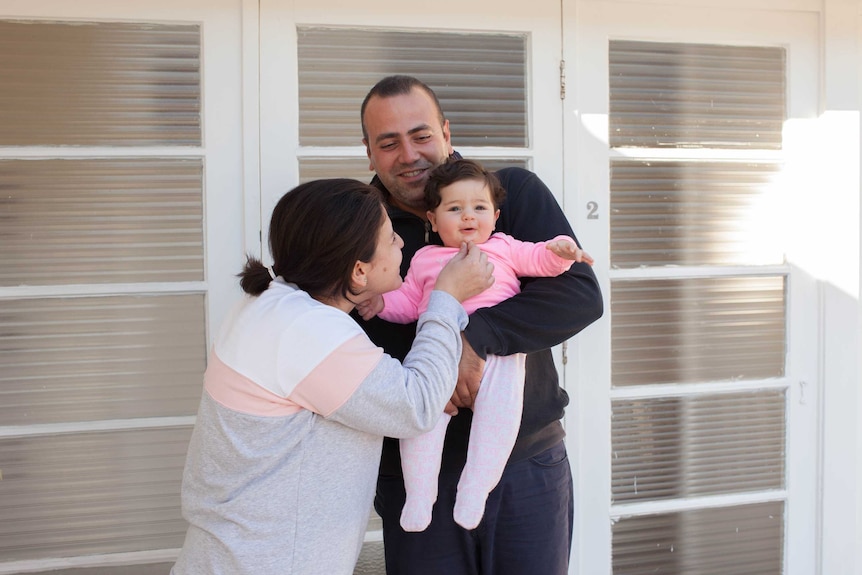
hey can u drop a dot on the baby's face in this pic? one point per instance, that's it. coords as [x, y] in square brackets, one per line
[466, 213]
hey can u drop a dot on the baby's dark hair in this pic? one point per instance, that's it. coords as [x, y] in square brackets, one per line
[456, 170]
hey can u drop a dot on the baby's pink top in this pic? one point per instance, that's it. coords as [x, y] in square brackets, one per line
[512, 259]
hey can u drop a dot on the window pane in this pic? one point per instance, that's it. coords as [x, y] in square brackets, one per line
[480, 79]
[735, 540]
[696, 95]
[687, 446]
[694, 213]
[99, 84]
[697, 330]
[95, 358]
[101, 221]
[92, 493]
[356, 168]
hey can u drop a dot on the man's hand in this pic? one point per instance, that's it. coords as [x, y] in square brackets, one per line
[470, 371]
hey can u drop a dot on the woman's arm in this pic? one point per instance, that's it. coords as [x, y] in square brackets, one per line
[397, 400]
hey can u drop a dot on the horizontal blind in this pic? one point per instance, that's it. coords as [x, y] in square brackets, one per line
[321, 168]
[694, 213]
[696, 95]
[92, 493]
[91, 385]
[678, 447]
[699, 205]
[480, 80]
[100, 358]
[697, 330]
[99, 84]
[745, 539]
[114, 220]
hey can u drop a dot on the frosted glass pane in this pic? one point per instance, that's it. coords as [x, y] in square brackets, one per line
[480, 80]
[371, 560]
[99, 84]
[696, 95]
[321, 168]
[680, 447]
[317, 168]
[743, 540]
[695, 213]
[92, 493]
[86, 221]
[697, 330]
[94, 358]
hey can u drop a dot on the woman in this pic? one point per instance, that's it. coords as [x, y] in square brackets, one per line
[282, 464]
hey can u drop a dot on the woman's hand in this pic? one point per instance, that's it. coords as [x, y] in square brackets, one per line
[467, 274]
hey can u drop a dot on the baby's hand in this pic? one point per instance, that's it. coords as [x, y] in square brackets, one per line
[569, 251]
[370, 307]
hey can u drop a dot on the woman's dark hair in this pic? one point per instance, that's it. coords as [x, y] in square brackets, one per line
[456, 170]
[317, 233]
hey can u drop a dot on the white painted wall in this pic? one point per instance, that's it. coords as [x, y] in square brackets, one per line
[830, 237]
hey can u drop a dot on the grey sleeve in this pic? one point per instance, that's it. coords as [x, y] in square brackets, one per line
[406, 400]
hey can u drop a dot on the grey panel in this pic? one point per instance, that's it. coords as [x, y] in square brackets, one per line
[371, 560]
[317, 168]
[679, 447]
[697, 330]
[742, 540]
[667, 213]
[94, 358]
[99, 84]
[696, 95]
[480, 79]
[91, 493]
[87, 221]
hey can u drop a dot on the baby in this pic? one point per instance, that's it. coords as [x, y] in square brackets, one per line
[463, 201]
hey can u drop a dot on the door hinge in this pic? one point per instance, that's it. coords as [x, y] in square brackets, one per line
[565, 352]
[562, 79]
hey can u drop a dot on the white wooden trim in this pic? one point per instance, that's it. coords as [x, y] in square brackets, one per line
[94, 561]
[61, 152]
[18, 292]
[252, 218]
[592, 24]
[840, 293]
[100, 425]
[623, 510]
[689, 389]
[693, 272]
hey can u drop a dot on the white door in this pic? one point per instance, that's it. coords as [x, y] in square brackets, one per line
[120, 166]
[496, 72]
[688, 210]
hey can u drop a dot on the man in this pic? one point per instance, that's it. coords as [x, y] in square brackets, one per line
[527, 525]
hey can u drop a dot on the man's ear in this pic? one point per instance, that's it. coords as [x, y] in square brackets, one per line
[432, 218]
[447, 136]
[368, 153]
